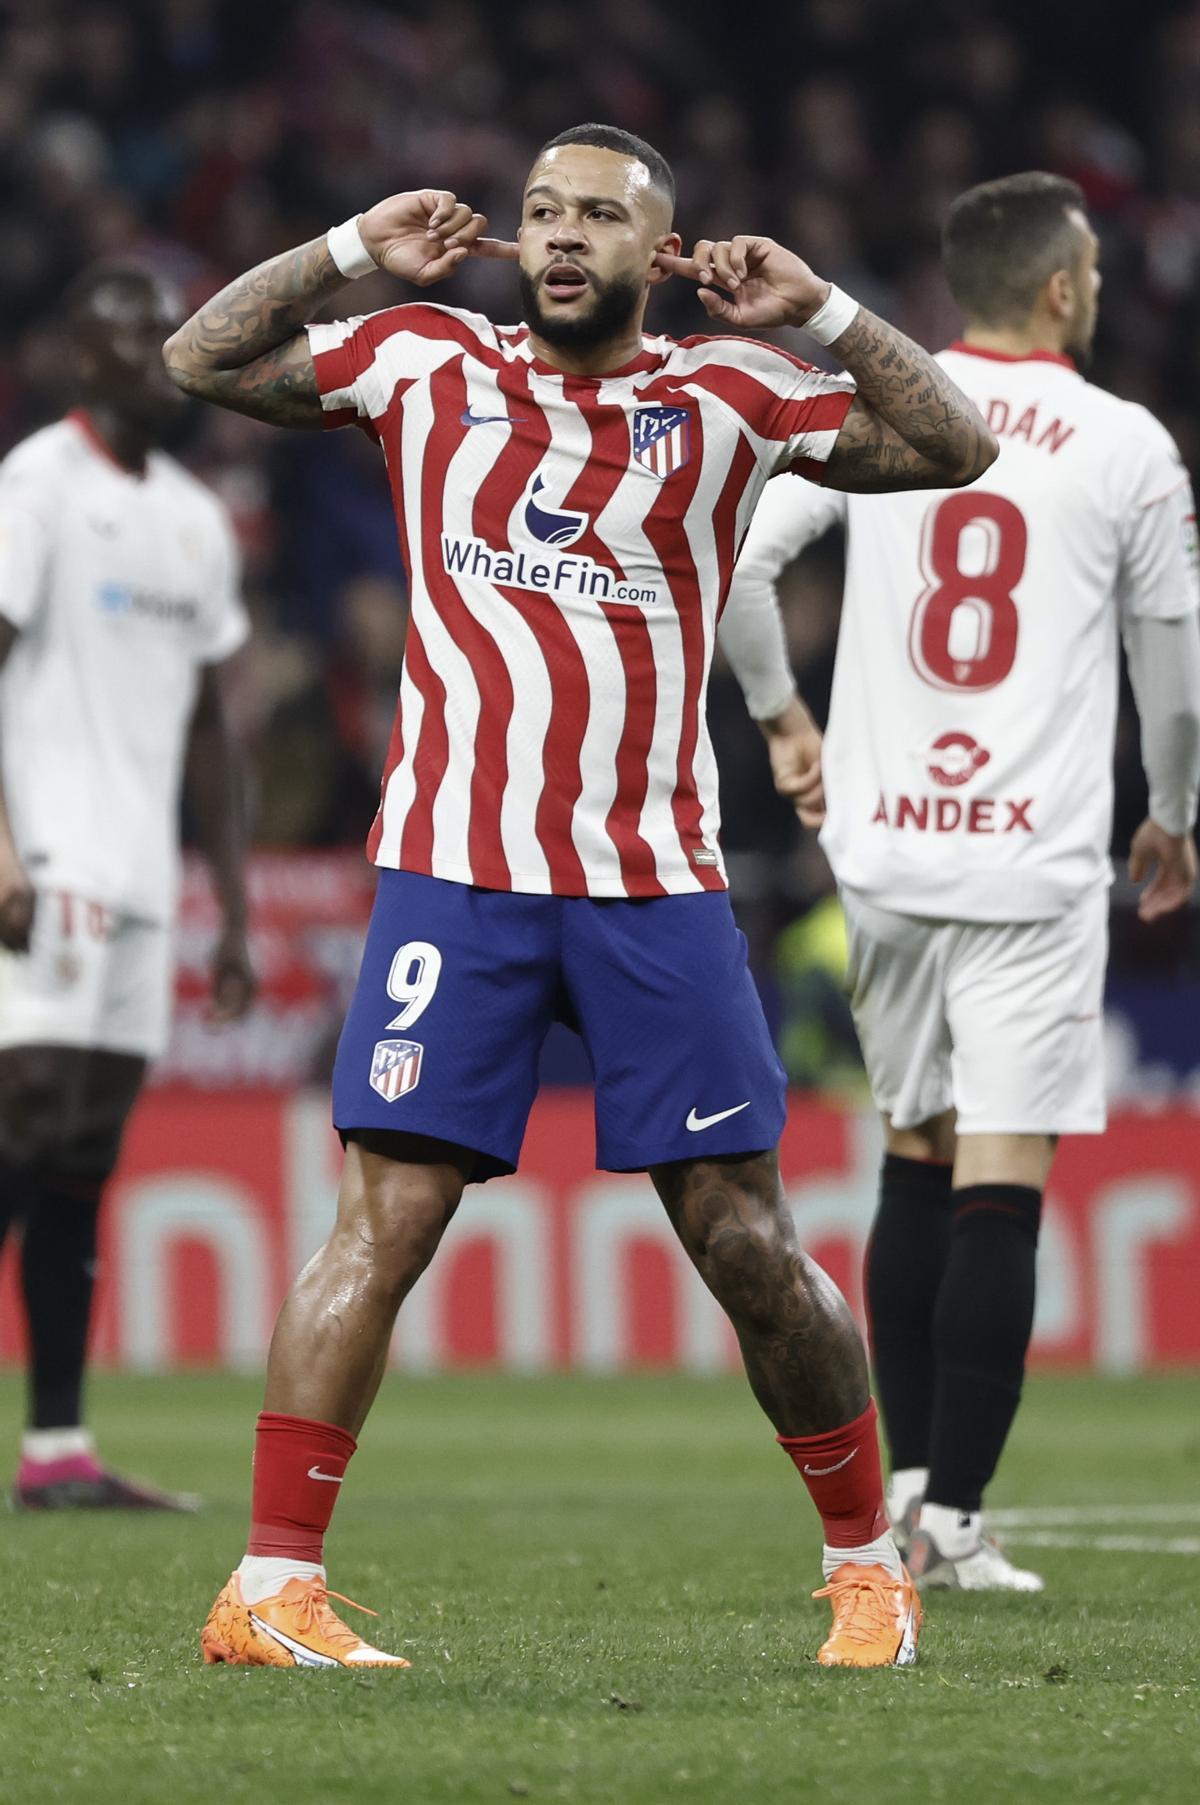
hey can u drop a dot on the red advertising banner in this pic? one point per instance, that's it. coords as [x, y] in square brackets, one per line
[221, 1197]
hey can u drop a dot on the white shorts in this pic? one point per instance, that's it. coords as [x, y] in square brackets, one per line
[1001, 1022]
[91, 978]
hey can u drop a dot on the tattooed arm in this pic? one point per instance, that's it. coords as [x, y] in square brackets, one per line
[909, 427]
[246, 349]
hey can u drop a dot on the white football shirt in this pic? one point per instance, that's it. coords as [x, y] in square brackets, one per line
[968, 757]
[121, 587]
[570, 542]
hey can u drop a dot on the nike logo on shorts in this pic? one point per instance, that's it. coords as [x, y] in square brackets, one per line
[329, 1478]
[695, 1123]
[823, 1472]
[467, 418]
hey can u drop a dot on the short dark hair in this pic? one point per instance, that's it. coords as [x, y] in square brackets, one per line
[1004, 240]
[79, 296]
[626, 144]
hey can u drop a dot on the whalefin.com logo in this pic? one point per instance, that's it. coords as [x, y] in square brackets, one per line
[569, 578]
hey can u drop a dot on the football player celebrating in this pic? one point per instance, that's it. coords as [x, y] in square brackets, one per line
[118, 605]
[967, 777]
[570, 494]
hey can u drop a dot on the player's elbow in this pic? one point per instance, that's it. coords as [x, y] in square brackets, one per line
[181, 366]
[979, 456]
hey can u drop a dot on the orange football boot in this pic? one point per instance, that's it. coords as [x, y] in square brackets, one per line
[298, 1627]
[876, 1619]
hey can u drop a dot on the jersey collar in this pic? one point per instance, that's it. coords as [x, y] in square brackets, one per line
[1014, 357]
[79, 417]
[646, 359]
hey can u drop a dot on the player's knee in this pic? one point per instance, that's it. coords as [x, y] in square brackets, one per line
[34, 1123]
[395, 1225]
[749, 1257]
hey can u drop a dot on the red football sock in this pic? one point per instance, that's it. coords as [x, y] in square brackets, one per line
[842, 1472]
[298, 1468]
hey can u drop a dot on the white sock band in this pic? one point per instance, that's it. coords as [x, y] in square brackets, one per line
[832, 317]
[57, 1444]
[348, 251]
[264, 1575]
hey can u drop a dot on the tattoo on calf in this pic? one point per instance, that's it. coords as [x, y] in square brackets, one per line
[804, 1356]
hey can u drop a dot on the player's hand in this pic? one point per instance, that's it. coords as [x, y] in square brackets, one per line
[234, 985]
[424, 236]
[1169, 861]
[794, 749]
[765, 285]
[18, 902]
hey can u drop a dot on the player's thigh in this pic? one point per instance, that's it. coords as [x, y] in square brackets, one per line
[684, 1063]
[1026, 1006]
[454, 998]
[896, 980]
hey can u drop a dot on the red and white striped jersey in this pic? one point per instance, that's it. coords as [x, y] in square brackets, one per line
[569, 541]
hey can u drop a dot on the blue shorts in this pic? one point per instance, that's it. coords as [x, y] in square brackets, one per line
[459, 988]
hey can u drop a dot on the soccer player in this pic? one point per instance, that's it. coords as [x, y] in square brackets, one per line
[967, 777]
[570, 494]
[118, 604]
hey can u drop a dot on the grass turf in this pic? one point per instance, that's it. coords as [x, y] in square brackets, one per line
[603, 1587]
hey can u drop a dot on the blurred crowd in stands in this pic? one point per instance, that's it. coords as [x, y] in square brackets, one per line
[203, 135]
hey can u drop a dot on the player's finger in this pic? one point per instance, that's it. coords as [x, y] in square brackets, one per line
[738, 256]
[442, 204]
[811, 816]
[469, 232]
[1139, 864]
[717, 307]
[722, 265]
[457, 223]
[702, 258]
[494, 247]
[439, 267]
[677, 266]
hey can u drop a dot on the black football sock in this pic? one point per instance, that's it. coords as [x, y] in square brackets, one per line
[58, 1267]
[981, 1330]
[906, 1256]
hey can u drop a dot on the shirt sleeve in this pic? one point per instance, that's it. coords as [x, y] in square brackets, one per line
[1159, 576]
[364, 365]
[790, 516]
[27, 510]
[804, 412]
[224, 624]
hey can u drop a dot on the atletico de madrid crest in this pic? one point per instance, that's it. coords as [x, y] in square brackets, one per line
[662, 439]
[396, 1068]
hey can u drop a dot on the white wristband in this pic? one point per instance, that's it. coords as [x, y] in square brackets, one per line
[833, 316]
[348, 251]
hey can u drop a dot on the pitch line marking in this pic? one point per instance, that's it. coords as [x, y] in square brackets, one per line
[1105, 1544]
[1076, 1516]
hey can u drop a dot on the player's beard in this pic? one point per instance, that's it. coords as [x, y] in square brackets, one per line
[614, 306]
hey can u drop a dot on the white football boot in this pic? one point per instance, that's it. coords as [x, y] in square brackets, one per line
[949, 1549]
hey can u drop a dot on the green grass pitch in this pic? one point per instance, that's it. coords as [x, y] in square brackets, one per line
[603, 1588]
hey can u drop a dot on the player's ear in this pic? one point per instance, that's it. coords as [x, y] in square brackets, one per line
[672, 244]
[1060, 294]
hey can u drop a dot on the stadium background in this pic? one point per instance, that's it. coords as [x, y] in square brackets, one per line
[200, 136]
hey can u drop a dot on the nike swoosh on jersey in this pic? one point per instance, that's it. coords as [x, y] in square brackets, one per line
[329, 1478]
[467, 418]
[695, 1123]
